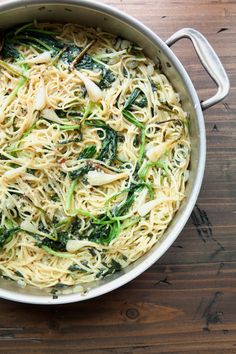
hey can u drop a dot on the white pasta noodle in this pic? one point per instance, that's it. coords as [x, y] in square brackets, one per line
[94, 155]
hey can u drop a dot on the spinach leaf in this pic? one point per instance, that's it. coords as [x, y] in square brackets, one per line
[107, 78]
[124, 207]
[133, 99]
[98, 233]
[68, 230]
[30, 36]
[7, 234]
[9, 51]
[56, 245]
[70, 53]
[109, 147]
[76, 268]
[40, 40]
[80, 172]
[112, 268]
[74, 227]
[142, 102]
[73, 114]
[109, 144]
[130, 117]
[103, 234]
[87, 63]
[88, 152]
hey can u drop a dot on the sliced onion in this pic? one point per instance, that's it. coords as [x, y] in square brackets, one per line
[150, 69]
[40, 98]
[14, 173]
[155, 152]
[147, 207]
[140, 200]
[96, 178]
[125, 44]
[2, 114]
[26, 225]
[74, 245]
[51, 115]
[94, 92]
[44, 57]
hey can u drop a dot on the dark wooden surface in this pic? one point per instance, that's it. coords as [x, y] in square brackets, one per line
[186, 303]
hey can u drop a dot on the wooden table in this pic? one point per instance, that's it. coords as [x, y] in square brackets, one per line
[186, 303]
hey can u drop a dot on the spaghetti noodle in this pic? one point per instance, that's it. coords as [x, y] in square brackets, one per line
[94, 154]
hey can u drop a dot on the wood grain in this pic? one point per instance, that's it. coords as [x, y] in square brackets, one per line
[186, 302]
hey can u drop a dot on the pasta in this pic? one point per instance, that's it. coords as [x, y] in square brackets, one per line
[94, 154]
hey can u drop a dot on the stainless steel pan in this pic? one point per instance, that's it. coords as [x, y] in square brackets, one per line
[95, 14]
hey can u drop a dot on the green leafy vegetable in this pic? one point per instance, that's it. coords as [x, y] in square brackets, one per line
[76, 268]
[70, 53]
[30, 36]
[82, 53]
[70, 127]
[56, 253]
[142, 102]
[159, 164]
[112, 268]
[107, 78]
[104, 234]
[130, 117]
[88, 63]
[124, 207]
[142, 147]
[64, 231]
[6, 234]
[109, 143]
[70, 192]
[41, 40]
[73, 114]
[10, 68]
[80, 172]
[88, 152]
[9, 51]
[132, 98]
[57, 245]
[13, 94]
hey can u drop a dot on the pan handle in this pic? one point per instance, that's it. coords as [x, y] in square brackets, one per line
[209, 60]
